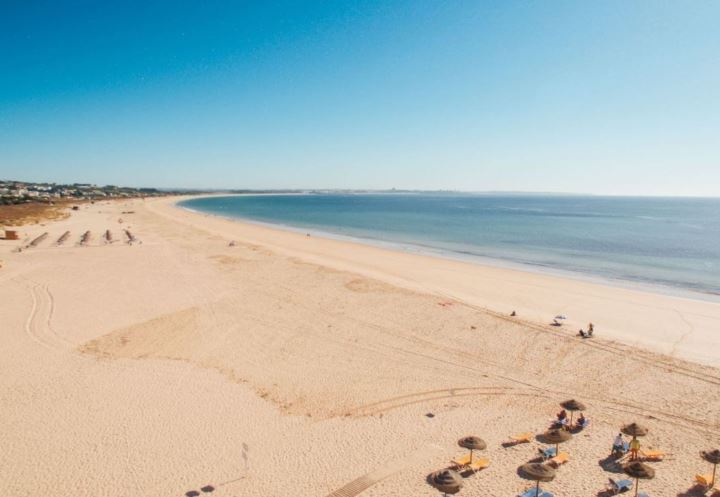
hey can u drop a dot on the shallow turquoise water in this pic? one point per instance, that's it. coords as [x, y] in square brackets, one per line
[667, 242]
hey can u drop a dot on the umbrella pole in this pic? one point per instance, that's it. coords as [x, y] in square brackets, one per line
[537, 489]
[471, 456]
[557, 449]
[637, 480]
[712, 483]
[571, 416]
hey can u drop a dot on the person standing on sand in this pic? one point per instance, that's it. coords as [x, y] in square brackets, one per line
[634, 448]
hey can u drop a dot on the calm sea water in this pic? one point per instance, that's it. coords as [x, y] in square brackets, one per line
[669, 243]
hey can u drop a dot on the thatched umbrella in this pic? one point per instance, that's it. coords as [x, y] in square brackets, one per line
[638, 470]
[634, 430]
[556, 436]
[537, 472]
[713, 457]
[572, 405]
[447, 481]
[472, 443]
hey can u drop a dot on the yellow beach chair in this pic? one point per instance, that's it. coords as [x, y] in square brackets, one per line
[521, 438]
[559, 459]
[461, 462]
[478, 464]
[705, 480]
[653, 455]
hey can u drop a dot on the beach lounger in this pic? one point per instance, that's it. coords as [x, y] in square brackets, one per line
[653, 455]
[520, 438]
[533, 492]
[478, 464]
[548, 452]
[461, 462]
[704, 480]
[559, 459]
[546, 494]
[617, 486]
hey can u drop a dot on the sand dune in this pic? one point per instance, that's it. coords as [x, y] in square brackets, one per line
[288, 365]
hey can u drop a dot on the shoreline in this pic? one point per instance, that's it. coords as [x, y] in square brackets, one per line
[677, 326]
[480, 260]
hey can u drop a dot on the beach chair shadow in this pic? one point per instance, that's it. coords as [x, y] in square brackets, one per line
[518, 439]
[694, 491]
[610, 464]
[698, 491]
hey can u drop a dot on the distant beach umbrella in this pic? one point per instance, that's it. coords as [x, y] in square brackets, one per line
[713, 457]
[537, 472]
[572, 405]
[556, 436]
[446, 481]
[639, 471]
[472, 443]
[634, 430]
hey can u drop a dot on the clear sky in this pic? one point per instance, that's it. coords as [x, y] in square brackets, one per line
[617, 97]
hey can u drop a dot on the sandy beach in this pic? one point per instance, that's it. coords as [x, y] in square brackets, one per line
[297, 365]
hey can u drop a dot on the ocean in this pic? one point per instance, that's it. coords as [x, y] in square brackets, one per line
[669, 244]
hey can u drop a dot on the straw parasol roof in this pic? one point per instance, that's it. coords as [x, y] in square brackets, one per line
[556, 436]
[711, 456]
[573, 405]
[634, 430]
[636, 469]
[472, 443]
[446, 481]
[537, 471]
[639, 471]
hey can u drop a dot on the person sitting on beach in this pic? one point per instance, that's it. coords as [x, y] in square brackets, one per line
[618, 447]
[562, 415]
[581, 421]
[582, 333]
[590, 330]
[512, 314]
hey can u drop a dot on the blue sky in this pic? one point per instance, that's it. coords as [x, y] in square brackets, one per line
[614, 97]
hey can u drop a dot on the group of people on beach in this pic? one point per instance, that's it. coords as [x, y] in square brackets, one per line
[563, 421]
[620, 447]
[588, 333]
[581, 333]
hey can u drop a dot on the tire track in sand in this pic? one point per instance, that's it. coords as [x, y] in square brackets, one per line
[366, 481]
[38, 326]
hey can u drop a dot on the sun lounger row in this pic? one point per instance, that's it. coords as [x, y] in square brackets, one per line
[464, 463]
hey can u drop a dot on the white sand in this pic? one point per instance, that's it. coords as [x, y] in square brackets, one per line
[153, 369]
